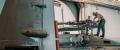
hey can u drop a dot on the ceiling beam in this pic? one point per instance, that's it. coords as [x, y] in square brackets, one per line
[106, 5]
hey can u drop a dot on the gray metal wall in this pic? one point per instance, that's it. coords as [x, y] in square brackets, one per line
[1, 5]
[18, 14]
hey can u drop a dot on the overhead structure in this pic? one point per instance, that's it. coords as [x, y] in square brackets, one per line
[113, 4]
[110, 2]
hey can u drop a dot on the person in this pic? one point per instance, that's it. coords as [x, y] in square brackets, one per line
[101, 23]
[88, 21]
[88, 18]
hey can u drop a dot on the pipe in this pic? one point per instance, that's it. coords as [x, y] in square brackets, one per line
[84, 12]
[62, 15]
[56, 35]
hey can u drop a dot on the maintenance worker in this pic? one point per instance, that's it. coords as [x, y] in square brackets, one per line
[101, 24]
[88, 27]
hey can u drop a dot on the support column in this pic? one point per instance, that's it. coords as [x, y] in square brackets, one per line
[48, 25]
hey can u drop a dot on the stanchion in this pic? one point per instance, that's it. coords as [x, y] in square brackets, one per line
[56, 35]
